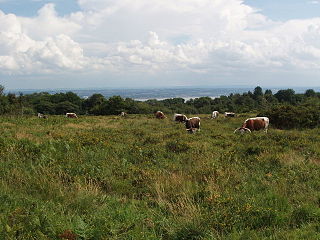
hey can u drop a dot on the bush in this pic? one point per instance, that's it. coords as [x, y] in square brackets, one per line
[289, 117]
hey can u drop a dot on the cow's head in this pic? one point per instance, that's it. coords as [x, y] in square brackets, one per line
[242, 130]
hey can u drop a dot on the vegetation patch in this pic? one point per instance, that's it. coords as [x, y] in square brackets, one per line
[137, 177]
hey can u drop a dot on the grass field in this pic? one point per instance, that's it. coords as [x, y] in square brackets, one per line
[142, 178]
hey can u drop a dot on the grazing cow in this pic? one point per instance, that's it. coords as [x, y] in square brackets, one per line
[40, 115]
[160, 115]
[229, 114]
[71, 115]
[254, 124]
[193, 124]
[215, 114]
[179, 117]
[123, 114]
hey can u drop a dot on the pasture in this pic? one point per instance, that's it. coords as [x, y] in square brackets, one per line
[139, 177]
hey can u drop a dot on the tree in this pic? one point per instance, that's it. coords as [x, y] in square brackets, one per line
[258, 92]
[310, 93]
[73, 98]
[286, 96]
[66, 106]
[268, 92]
[114, 105]
[12, 98]
[1, 90]
[172, 101]
[202, 101]
[45, 107]
[94, 103]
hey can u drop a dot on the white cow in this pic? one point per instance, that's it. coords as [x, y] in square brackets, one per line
[40, 115]
[179, 117]
[229, 114]
[71, 115]
[215, 114]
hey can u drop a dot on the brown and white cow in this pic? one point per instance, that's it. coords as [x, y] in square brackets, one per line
[179, 117]
[229, 114]
[159, 115]
[123, 114]
[71, 115]
[254, 124]
[215, 114]
[40, 115]
[193, 124]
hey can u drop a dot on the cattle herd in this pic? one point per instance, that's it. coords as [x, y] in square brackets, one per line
[193, 124]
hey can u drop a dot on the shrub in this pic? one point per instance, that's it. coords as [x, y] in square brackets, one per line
[289, 117]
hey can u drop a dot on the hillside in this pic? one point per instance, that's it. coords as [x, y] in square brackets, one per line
[138, 177]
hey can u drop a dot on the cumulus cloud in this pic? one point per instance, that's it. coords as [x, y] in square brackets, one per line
[200, 36]
[19, 53]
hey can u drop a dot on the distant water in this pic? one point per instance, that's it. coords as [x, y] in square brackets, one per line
[143, 94]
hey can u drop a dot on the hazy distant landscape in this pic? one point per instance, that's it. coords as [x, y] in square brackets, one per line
[157, 93]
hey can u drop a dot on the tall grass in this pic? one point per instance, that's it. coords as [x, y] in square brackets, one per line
[142, 178]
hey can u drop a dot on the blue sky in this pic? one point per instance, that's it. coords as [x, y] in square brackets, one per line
[282, 10]
[276, 10]
[29, 8]
[145, 43]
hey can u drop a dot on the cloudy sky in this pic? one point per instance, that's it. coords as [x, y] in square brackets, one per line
[159, 43]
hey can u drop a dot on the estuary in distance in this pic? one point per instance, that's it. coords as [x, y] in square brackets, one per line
[143, 94]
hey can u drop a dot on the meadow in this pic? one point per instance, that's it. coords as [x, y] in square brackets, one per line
[106, 177]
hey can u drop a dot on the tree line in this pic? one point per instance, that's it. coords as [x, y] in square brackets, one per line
[263, 102]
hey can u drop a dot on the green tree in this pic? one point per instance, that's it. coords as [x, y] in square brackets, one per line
[257, 92]
[45, 107]
[268, 92]
[114, 105]
[287, 96]
[94, 103]
[12, 99]
[66, 106]
[310, 93]
[1, 90]
[202, 101]
[4, 103]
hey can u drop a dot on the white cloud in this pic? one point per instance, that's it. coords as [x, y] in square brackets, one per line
[22, 54]
[200, 36]
[48, 24]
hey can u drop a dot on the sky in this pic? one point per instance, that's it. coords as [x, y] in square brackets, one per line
[159, 43]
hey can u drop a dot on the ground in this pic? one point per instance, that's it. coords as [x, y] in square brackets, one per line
[138, 177]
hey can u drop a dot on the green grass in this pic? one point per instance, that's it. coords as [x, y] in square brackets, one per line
[142, 178]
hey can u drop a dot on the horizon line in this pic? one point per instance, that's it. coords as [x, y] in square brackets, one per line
[173, 87]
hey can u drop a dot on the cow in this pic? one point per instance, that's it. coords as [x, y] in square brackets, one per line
[71, 115]
[215, 114]
[229, 114]
[254, 124]
[123, 114]
[179, 117]
[40, 115]
[193, 124]
[159, 115]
